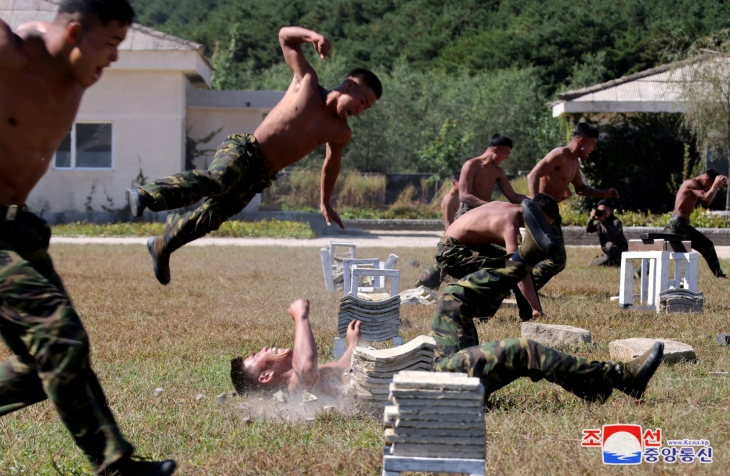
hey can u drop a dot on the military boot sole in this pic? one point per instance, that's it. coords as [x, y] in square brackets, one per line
[135, 199]
[160, 264]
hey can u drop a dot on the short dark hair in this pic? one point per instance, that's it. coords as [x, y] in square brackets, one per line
[583, 129]
[243, 380]
[369, 79]
[103, 10]
[605, 202]
[500, 139]
[711, 173]
[456, 176]
[547, 204]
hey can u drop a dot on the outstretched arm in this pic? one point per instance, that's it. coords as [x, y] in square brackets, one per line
[353, 339]
[330, 171]
[583, 189]
[508, 191]
[291, 39]
[466, 186]
[304, 360]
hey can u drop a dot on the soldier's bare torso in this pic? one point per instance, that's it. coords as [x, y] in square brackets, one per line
[556, 182]
[36, 113]
[299, 124]
[494, 222]
[485, 176]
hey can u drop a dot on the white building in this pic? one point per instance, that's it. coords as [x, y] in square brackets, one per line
[136, 119]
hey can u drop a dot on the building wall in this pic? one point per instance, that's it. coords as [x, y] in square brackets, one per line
[202, 121]
[147, 111]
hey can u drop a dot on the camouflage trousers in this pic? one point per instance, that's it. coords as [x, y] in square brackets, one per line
[611, 256]
[50, 346]
[699, 241]
[239, 171]
[545, 270]
[498, 363]
[456, 260]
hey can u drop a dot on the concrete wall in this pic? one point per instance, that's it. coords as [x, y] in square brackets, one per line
[203, 121]
[147, 110]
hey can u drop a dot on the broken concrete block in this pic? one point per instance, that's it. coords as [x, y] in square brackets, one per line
[552, 334]
[308, 397]
[158, 391]
[628, 349]
[199, 397]
[723, 339]
[280, 396]
[681, 300]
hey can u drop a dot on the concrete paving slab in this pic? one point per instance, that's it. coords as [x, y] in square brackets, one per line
[628, 349]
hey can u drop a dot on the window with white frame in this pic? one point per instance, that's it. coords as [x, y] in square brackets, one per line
[87, 146]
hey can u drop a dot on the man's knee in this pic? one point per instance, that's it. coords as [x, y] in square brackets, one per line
[62, 351]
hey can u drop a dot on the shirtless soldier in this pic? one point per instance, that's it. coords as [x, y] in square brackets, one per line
[702, 188]
[450, 202]
[496, 364]
[44, 70]
[486, 234]
[295, 370]
[552, 175]
[480, 174]
[244, 165]
[476, 184]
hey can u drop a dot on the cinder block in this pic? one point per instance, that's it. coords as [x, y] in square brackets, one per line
[552, 334]
[628, 349]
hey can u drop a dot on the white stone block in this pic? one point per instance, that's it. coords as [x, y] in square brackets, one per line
[551, 334]
[628, 349]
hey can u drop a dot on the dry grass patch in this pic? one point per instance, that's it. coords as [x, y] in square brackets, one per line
[227, 301]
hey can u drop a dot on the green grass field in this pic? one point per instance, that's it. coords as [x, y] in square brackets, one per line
[227, 301]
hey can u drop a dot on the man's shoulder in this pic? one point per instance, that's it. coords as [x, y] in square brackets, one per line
[11, 48]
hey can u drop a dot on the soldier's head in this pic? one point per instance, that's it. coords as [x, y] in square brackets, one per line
[268, 369]
[606, 207]
[708, 178]
[585, 135]
[358, 92]
[547, 205]
[92, 31]
[501, 146]
[455, 181]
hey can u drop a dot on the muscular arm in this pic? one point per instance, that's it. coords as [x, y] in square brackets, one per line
[508, 191]
[353, 339]
[291, 39]
[304, 361]
[445, 203]
[526, 286]
[330, 171]
[466, 185]
[705, 197]
[583, 189]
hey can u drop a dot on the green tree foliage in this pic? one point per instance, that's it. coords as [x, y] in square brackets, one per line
[643, 156]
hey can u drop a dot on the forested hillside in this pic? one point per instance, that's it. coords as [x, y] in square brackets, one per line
[454, 72]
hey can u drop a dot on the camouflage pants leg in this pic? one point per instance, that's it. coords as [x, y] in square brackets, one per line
[497, 364]
[477, 294]
[545, 270]
[700, 242]
[236, 175]
[431, 277]
[50, 346]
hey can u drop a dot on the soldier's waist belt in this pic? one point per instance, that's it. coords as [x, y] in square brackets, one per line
[10, 212]
[680, 219]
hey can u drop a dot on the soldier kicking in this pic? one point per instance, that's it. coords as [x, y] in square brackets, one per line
[702, 188]
[476, 184]
[244, 165]
[552, 175]
[44, 70]
[499, 363]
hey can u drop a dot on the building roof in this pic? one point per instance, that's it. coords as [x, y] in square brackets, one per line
[139, 38]
[653, 90]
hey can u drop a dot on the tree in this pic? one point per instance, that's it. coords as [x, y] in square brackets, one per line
[703, 80]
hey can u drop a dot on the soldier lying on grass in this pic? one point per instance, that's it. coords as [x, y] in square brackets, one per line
[496, 364]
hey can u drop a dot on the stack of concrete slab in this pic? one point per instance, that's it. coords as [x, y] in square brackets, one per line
[380, 319]
[419, 295]
[436, 415]
[681, 300]
[372, 370]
